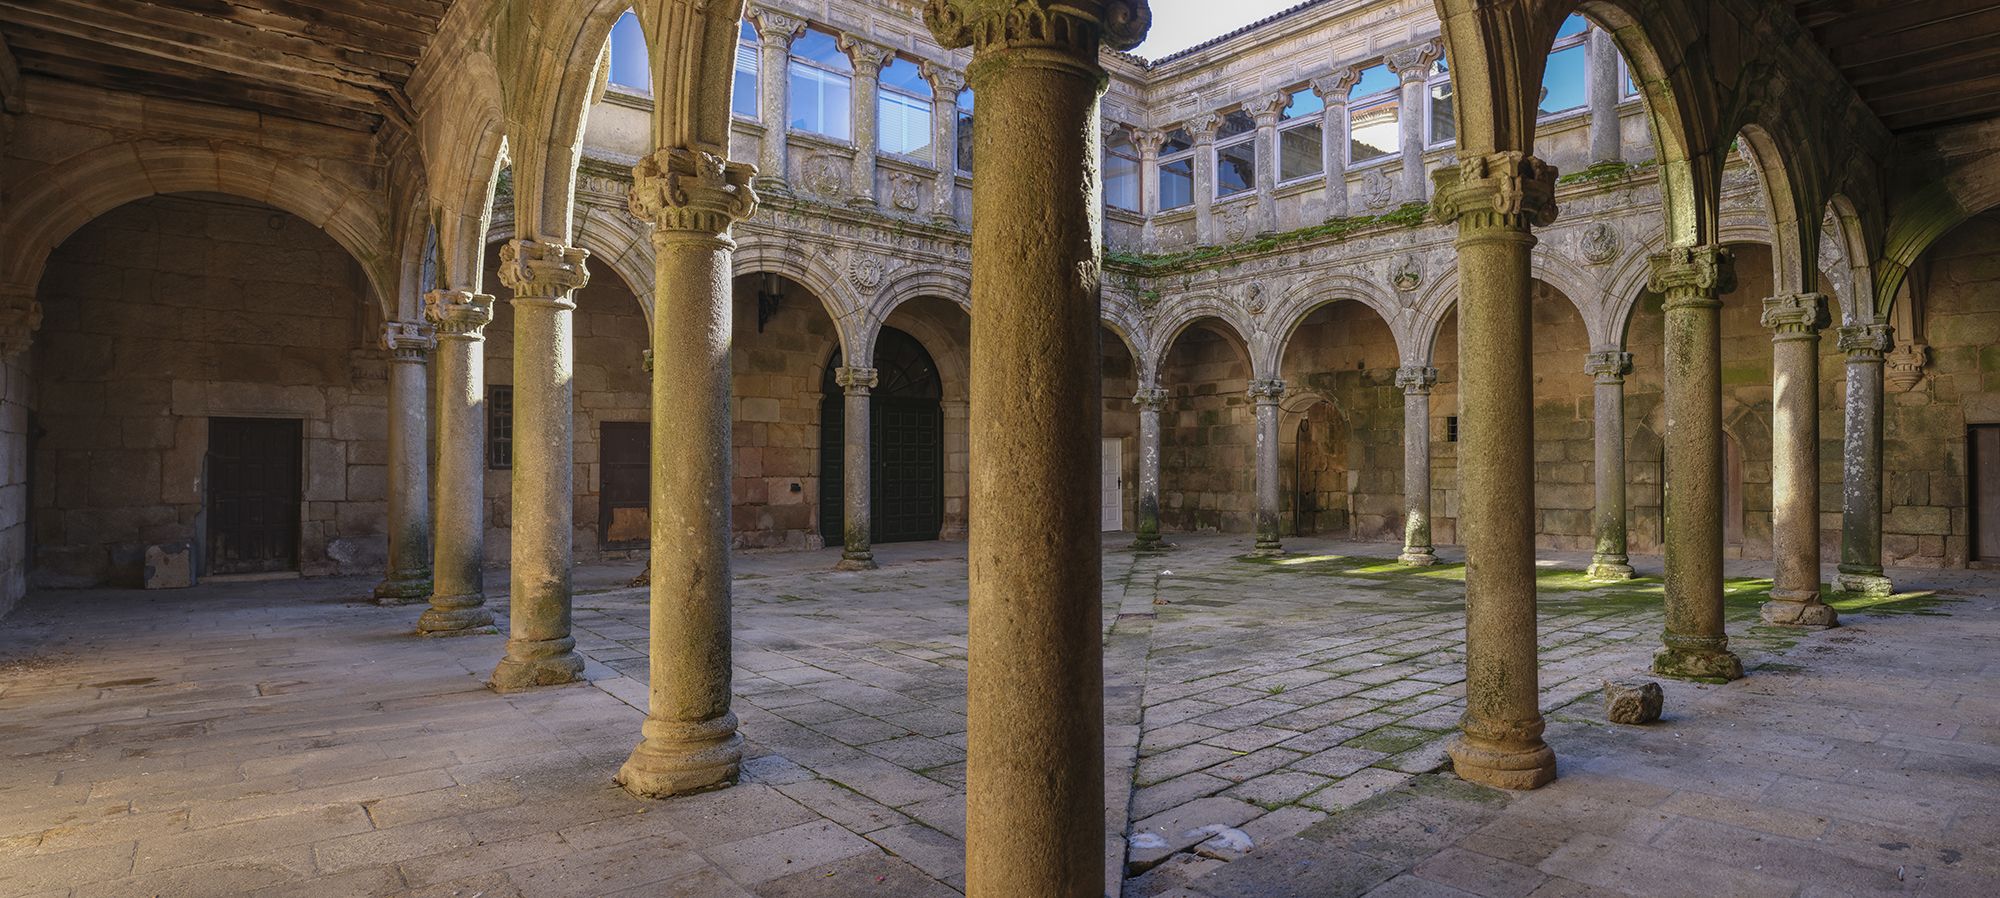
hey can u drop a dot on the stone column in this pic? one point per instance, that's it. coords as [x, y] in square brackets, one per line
[1606, 140]
[1611, 561]
[868, 58]
[945, 86]
[858, 523]
[544, 278]
[1496, 200]
[409, 578]
[1332, 90]
[1795, 321]
[1861, 468]
[1149, 143]
[1413, 66]
[1035, 723]
[1417, 381]
[775, 31]
[1266, 393]
[1150, 401]
[690, 741]
[1204, 127]
[1266, 112]
[458, 596]
[1691, 279]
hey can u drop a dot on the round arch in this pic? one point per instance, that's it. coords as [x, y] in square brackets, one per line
[1201, 309]
[1302, 301]
[819, 279]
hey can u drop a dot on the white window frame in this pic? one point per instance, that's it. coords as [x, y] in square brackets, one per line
[1440, 74]
[1358, 105]
[961, 119]
[1225, 143]
[1166, 159]
[1579, 39]
[1627, 76]
[749, 50]
[925, 103]
[1314, 120]
[1138, 173]
[793, 61]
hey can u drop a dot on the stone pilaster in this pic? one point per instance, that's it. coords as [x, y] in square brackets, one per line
[1692, 280]
[1606, 139]
[945, 86]
[1265, 394]
[1149, 142]
[868, 58]
[1496, 201]
[1416, 382]
[458, 553]
[689, 741]
[20, 317]
[775, 32]
[1861, 467]
[1413, 66]
[409, 576]
[1266, 112]
[1611, 560]
[1333, 90]
[857, 527]
[1795, 323]
[1150, 400]
[540, 649]
[1203, 127]
[1035, 754]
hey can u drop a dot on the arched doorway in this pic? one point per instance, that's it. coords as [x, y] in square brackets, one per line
[1319, 473]
[905, 445]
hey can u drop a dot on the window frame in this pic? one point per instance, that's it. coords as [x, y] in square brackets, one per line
[645, 65]
[963, 112]
[1164, 159]
[749, 47]
[793, 61]
[1390, 96]
[1138, 172]
[1314, 120]
[499, 427]
[926, 102]
[1579, 39]
[1440, 75]
[1220, 143]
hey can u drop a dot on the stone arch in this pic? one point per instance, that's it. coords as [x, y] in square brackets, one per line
[461, 135]
[913, 282]
[1433, 308]
[1302, 301]
[549, 57]
[1226, 321]
[1579, 287]
[1845, 233]
[1793, 218]
[819, 278]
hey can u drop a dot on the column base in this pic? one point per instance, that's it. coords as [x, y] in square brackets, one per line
[1708, 665]
[771, 185]
[404, 588]
[678, 758]
[534, 663]
[856, 561]
[1418, 556]
[1798, 608]
[456, 616]
[1268, 548]
[861, 202]
[1609, 568]
[1517, 764]
[1867, 583]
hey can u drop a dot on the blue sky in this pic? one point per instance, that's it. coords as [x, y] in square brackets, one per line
[1180, 24]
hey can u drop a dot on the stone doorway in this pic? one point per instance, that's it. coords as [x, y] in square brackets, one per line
[253, 495]
[1319, 473]
[905, 445]
[1983, 460]
[625, 493]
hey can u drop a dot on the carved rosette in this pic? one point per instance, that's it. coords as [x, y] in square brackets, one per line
[1416, 380]
[1693, 276]
[1499, 191]
[1796, 316]
[1866, 342]
[1267, 392]
[408, 341]
[458, 314]
[536, 270]
[1076, 26]
[1150, 399]
[1599, 243]
[857, 381]
[1905, 366]
[18, 323]
[684, 191]
[1609, 368]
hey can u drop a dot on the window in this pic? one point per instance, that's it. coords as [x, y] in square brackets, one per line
[1627, 88]
[743, 99]
[1566, 83]
[1177, 170]
[1374, 116]
[628, 54]
[1236, 155]
[903, 107]
[821, 80]
[1301, 142]
[1451, 429]
[1443, 119]
[964, 131]
[499, 426]
[1121, 172]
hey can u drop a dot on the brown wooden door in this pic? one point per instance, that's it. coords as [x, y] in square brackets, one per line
[253, 495]
[1985, 491]
[625, 494]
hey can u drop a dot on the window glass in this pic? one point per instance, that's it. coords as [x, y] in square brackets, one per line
[904, 76]
[743, 95]
[1374, 80]
[1374, 130]
[1177, 184]
[823, 50]
[820, 86]
[1303, 103]
[628, 54]
[1301, 151]
[964, 131]
[1235, 124]
[1574, 25]
[1178, 141]
[903, 113]
[1444, 121]
[1121, 173]
[1564, 86]
[1236, 168]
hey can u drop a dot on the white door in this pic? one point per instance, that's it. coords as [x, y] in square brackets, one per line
[1114, 484]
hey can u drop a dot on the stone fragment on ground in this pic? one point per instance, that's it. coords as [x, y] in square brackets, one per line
[1633, 702]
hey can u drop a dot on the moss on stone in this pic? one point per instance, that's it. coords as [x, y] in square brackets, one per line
[1410, 215]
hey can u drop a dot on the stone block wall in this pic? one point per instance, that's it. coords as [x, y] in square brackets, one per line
[777, 375]
[16, 397]
[1344, 356]
[1207, 435]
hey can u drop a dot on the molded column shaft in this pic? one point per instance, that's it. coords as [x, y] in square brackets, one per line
[1412, 66]
[868, 58]
[1861, 467]
[1266, 393]
[1150, 401]
[1606, 139]
[409, 576]
[458, 600]
[1417, 381]
[945, 86]
[775, 31]
[1795, 322]
[857, 526]
[1611, 561]
[1333, 90]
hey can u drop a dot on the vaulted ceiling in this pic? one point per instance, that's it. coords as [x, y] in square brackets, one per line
[336, 62]
[1917, 63]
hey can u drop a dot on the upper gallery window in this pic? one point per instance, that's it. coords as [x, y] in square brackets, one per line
[903, 107]
[1236, 155]
[1121, 172]
[628, 54]
[1566, 83]
[743, 96]
[1177, 170]
[1301, 140]
[1443, 119]
[964, 131]
[821, 82]
[1374, 116]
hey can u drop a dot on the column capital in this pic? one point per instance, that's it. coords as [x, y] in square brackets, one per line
[1413, 63]
[684, 191]
[1866, 342]
[867, 56]
[1149, 141]
[1416, 379]
[857, 381]
[1795, 315]
[1074, 25]
[945, 81]
[18, 323]
[537, 270]
[1508, 190]
[1150, 399]
[1693, 276]
[1608, 367]
[408, 341]
[458, 314]
[1267, 392]
[1334, 86]
[1204, 126]
[775, 28]
[1267, 109]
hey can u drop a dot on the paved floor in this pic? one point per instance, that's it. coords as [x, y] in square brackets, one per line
[1273, 728]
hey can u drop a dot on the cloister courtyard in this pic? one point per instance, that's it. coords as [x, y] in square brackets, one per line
[1273, 727]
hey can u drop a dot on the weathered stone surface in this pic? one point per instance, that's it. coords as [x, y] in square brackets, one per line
[170, 566]
[1634, 702]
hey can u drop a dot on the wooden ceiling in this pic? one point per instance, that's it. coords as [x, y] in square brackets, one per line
[1918, 63]
[336, 62]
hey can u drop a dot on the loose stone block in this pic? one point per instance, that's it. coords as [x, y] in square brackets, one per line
[1633, 702]
[169, 567]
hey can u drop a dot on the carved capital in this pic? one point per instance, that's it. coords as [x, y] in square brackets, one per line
[682, 191]
[18, 323]
[408, 341]
[857, 380]
[1414, 63]
[1509, 191]
[1150, 399]
[776, 28]
[458, 313]
[1795, 315]
[1076, 26]
[534, 269]
[1148, 141]
[1609, 368]
[1204, 126]
[1267, 392]
[1416, 379]
[867, 56]
[1693, 276]
[1866, 342]
[1905, 366]
[1267, 109]
[945, 81]
[1334, 86]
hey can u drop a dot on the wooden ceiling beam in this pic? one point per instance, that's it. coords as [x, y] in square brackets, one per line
[166, 31]
[202, 88]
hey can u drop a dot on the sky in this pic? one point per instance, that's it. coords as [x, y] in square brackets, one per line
[1180, 24]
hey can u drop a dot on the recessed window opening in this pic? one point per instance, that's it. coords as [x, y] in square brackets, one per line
[628, 54]
[821, 82]
[1443, 118]
[1236, 155]
[1301, 137]
[964, 131]
[1177, 170]
[903, 110]
[1566, 83]
[1374, 116]
[1121, 172]
[743, 94]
